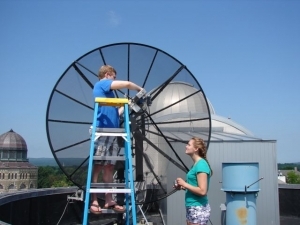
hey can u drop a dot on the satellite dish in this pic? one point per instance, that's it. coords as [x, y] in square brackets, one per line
[177, 110]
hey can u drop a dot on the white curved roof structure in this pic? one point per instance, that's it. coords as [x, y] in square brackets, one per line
[186, 109]
[222, 128]
[179, 90]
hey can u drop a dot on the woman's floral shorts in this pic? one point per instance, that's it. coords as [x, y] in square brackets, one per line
[198, 214]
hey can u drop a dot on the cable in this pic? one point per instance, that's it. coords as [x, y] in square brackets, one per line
[158, 199]
[68, 201]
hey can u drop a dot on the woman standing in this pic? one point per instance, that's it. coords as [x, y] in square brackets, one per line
[196, 184]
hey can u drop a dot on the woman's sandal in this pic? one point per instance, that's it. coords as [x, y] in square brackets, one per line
[99, 211]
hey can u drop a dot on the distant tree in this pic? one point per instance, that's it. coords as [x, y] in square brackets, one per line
[288, 166]
[50, 176]
[44, 173]
[293, 178]
[61, 181]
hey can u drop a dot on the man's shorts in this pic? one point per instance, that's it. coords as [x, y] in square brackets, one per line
[106, 146]
[198, 214]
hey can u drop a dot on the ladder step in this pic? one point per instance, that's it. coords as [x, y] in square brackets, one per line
[120, 132]
[109, 190]
[117, 158]
[97, 135]
[110, 130]
[111, 101]
[107, 185]
[106, 211]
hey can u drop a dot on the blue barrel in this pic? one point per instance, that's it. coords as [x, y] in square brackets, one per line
[235, 176]
[241, 208]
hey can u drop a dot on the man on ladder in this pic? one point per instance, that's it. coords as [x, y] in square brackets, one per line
[108, 117]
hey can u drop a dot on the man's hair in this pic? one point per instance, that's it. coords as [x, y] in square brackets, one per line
[105, 69]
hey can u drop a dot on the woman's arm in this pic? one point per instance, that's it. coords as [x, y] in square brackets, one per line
[201, 189]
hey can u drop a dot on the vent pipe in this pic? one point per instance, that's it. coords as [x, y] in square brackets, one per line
[240, 182]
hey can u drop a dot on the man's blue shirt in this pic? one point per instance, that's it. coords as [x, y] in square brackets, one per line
[108, 116]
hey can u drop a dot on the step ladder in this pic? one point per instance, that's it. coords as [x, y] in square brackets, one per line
[128, 187]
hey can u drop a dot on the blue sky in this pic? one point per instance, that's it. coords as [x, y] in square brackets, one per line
[245, 55]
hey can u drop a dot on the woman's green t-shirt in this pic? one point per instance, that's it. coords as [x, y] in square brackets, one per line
[192, 199]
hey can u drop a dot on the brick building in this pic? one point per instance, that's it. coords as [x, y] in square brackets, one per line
[16, 173]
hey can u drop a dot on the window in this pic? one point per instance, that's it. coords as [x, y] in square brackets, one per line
[5, 155]
[19, 155]
[12, 154]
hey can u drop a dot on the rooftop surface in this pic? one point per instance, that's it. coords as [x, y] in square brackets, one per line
[286, 215]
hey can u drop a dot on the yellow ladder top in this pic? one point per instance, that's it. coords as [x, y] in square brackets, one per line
[111, 101]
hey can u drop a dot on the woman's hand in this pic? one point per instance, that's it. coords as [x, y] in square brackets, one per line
[177, 187]
[181, 183]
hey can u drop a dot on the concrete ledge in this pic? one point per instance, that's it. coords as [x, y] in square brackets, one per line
[286, 220]
[31, 193]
